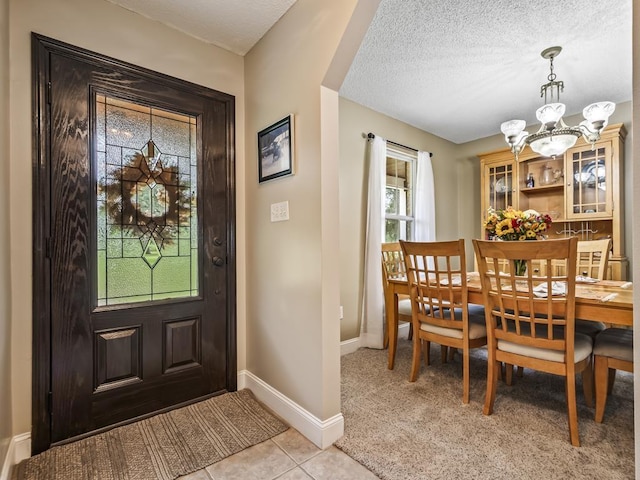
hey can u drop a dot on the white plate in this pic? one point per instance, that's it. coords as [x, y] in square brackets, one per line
[592, 174]
[502, 186]
[583, 279]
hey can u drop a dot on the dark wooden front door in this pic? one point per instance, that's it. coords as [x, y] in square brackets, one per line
[134, 271]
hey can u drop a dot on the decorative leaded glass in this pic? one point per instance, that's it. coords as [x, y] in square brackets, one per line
[147, 245]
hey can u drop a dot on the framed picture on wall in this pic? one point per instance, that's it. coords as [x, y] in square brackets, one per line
[275, 150]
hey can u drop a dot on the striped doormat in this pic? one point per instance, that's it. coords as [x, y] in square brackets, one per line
[163, 447]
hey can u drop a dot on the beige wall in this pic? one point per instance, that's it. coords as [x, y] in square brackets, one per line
[457, 190]
[6, 423]
[108, 29]
[292, 314]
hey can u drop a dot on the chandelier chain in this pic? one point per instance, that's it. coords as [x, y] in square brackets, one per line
[552, 76]
[551, 90]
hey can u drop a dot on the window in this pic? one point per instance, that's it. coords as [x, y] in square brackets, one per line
[146, 211]
[399, 194]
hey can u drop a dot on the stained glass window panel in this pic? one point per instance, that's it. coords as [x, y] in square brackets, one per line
[174, 133]
[127, 127]
[172, 274]
[146, 230]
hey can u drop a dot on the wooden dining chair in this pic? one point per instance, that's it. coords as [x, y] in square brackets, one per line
[531, 328]
[437, 277]
[393, 267]
[593, 258]
[613, 350]
[592, 261]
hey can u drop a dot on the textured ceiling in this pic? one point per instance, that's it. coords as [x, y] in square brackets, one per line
[235, 25]
[453, 68]
[458, 69]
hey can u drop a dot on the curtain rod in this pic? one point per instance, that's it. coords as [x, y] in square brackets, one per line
[373, 135]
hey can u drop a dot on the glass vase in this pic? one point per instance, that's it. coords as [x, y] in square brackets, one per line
[520, 267]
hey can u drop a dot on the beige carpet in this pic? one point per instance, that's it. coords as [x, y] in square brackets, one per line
[163, 447]
[421, 430]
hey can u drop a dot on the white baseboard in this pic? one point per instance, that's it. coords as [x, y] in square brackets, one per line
[353, 344]
[19, 449]
[349, 346]
[323, 433]
[403, 330]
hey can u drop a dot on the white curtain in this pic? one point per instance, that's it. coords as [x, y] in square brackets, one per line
[372, 322]
[425, 213]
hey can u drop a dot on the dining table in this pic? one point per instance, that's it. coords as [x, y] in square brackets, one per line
[608, 301]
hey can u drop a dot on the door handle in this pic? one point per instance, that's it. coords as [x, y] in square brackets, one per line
[217, 261]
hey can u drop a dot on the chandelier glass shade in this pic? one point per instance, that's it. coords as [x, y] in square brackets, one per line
[554, 137]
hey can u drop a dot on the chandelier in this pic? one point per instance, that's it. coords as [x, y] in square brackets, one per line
[554, 137]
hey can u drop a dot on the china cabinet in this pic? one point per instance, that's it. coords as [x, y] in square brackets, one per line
[582, 190]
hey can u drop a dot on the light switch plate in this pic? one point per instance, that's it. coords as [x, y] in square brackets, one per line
[280, 211]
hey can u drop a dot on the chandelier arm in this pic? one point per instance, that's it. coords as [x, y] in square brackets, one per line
[587, 131]
[518, 144]
[591, 136]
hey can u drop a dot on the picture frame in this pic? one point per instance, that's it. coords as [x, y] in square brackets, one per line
[276, 150]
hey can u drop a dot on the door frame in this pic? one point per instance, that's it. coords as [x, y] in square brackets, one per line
[41, 49]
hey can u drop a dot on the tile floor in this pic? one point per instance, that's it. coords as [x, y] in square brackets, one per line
[288, 456]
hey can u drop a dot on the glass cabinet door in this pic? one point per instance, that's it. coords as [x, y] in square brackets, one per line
[500, 185]
[589, 182]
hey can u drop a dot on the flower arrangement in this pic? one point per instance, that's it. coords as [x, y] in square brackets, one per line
[512, 224]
